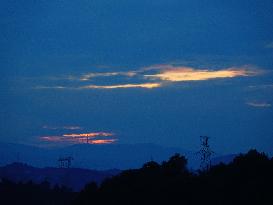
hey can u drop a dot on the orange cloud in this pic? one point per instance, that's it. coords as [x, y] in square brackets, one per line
[89, 138]
[92, 134]
[161, 73]
[106, 141]
[143, 85]
[176, 74]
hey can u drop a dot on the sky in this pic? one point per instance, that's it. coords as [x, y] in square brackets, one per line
[145, 71]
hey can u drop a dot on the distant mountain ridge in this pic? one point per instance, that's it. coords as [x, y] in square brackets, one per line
[112, 156]
[101, 157]
[73, 178]
[88, 159]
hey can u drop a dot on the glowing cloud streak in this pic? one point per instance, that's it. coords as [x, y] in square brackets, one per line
[143, 85]
[106, 141]
[87, 138]
[50, 87]
[164, 74]
[89, 76]
[120, 86]
[176, 74]
[92, 134]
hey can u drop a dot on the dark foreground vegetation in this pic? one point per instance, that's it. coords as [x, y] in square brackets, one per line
[29, 194]
[246, 180]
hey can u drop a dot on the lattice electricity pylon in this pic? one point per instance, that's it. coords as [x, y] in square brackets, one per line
[205, 153]
[65, 162]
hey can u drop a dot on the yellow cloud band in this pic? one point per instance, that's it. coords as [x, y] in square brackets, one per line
[189, 74]
[144, 85]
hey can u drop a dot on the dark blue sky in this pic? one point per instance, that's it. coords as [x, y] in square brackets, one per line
[88, 64]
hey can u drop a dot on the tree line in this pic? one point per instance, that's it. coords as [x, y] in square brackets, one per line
[248, 179]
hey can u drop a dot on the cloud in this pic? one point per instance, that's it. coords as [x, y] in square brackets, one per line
[62, 127]
[89, 138]
[92, 134]
[259, 104]
[52, 138]
[269, 45]
[115, 86]
[142, 85]
[50, 87]
[106, 141]
[89, 76]
[258, 87]
[180, 73]
[76, 140]
[154, 76]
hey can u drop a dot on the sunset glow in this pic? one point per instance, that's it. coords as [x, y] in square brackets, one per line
[92, 134]
[106, 141]
[87, 138]
[118, 84]
[190, 74]
[155, 76]
[143, 85]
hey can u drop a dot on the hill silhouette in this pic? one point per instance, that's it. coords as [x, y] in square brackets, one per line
[100, 157]
[74, 178]
[246, 180]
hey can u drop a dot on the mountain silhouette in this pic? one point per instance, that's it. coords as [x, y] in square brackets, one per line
[73, 178]
[101, 157]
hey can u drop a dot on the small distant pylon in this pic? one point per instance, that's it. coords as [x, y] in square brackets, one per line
[205, 153]
[65, 162]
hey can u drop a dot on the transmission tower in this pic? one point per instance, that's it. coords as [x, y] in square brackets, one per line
[65, 162]
[205, 153]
